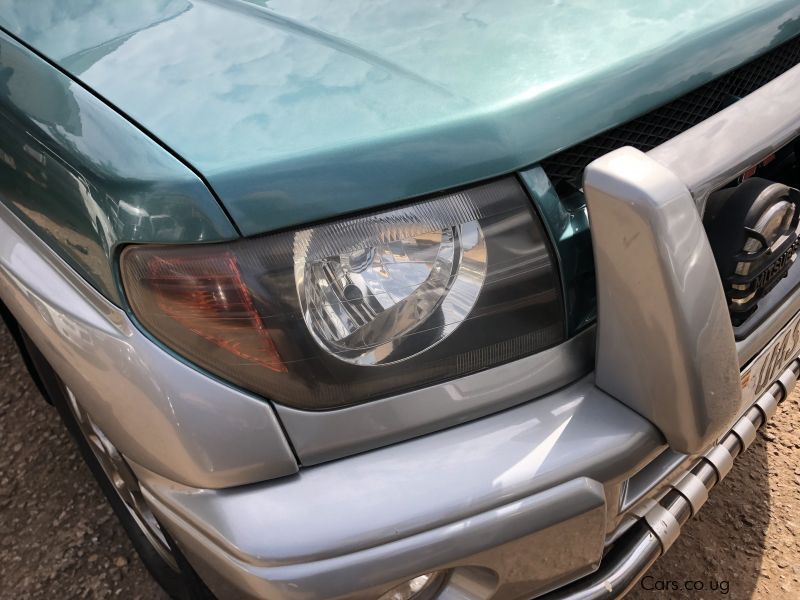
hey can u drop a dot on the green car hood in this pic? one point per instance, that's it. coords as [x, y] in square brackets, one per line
[296, 111]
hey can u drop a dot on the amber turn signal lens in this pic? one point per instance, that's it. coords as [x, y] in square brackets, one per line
[205, 295]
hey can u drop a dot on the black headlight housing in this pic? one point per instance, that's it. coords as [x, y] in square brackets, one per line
[363, 307]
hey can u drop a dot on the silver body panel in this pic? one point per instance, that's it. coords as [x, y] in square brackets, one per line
[321, 436]
[312, 529]
[372, 498]
[159, 411]
[501, 553]
[665, 344]
[751, 345]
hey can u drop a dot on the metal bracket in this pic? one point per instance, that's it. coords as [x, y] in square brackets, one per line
[691, 487]
[721, 460]
[745, 431]
[664, 526]
[788, 378]
[767, 404]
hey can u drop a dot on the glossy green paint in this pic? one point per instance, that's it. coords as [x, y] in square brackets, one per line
[567, 223]
[84, 178]
[297, 111]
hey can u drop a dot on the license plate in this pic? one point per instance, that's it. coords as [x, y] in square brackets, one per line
[771, 362]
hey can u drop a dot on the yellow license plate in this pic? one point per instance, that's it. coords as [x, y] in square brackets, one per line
[771, 361]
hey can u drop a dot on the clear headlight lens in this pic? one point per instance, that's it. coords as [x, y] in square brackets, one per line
[378, 304]
[359, 308]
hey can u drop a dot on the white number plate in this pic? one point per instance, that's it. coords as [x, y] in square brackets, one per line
[772, 360]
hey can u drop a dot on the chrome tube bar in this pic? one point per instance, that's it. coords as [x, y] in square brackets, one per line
[654, 533]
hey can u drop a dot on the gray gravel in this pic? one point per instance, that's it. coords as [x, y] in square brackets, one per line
[58, 538]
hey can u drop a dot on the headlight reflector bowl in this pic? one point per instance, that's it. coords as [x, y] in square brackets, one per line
[380, 304]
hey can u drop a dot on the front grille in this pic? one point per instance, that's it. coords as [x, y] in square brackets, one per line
[658, 126]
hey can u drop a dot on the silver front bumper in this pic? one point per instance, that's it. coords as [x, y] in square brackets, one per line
[514, 505]
[517, 502]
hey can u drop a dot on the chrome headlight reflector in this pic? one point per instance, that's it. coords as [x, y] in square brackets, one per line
[377, 295]
[360, 308]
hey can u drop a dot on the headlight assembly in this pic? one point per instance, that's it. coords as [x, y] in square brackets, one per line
[360, 308]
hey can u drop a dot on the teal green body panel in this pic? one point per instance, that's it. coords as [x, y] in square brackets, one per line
[567, 223]
[85, 179]
[296, 111]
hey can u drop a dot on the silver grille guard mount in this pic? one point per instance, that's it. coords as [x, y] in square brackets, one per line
[661, 521]
[665, 344]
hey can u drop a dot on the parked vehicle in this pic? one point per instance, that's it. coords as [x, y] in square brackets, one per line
[403, 300]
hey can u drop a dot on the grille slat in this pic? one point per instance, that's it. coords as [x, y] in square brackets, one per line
[667, 121]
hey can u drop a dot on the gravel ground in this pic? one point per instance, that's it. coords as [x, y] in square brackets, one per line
[58, 538]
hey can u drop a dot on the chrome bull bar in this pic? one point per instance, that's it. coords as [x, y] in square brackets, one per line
[661, 522]
[665, 343]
